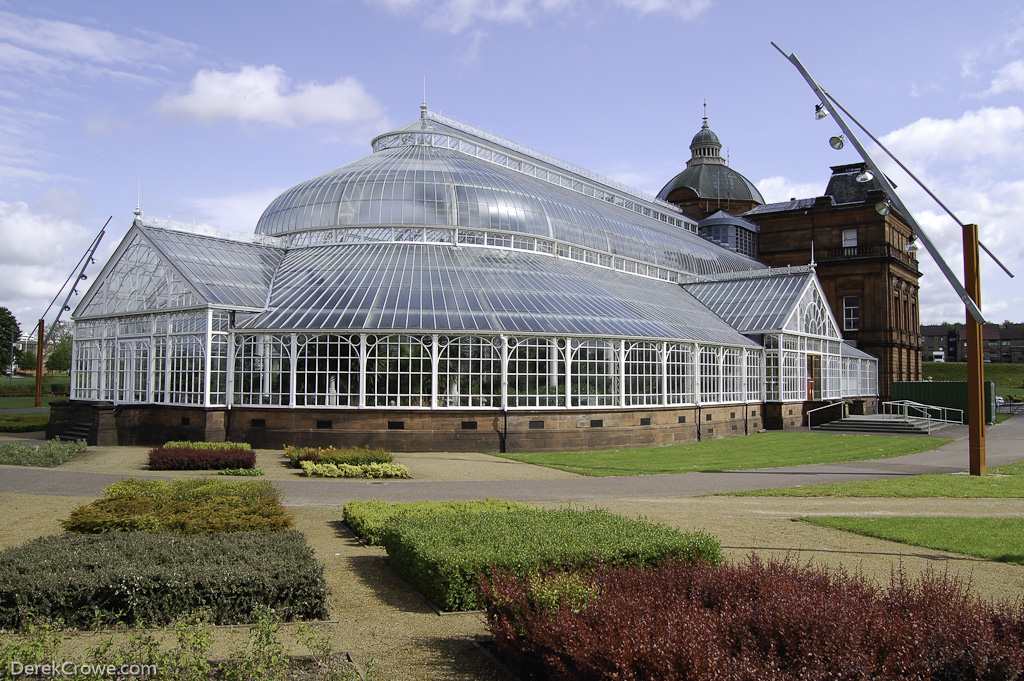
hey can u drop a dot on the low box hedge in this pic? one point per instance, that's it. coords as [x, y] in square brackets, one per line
[184, 506]
[367, 519]
[444, 555]
[193, 489]
[208, 445]
[138, 577]
[23, 423]
[314, 469]
[198, 456]
[351, 456]
[46, 454]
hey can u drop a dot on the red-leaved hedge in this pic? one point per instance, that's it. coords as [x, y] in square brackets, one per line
[165, 458]
[770, 621]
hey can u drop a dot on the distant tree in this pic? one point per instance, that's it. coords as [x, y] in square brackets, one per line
[26, 360]
[60, 357]
[7, 324]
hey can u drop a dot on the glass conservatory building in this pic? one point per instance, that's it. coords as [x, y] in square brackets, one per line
[452, 290]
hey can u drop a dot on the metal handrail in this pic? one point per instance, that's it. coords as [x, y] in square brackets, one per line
[827, 406]
[905, 407]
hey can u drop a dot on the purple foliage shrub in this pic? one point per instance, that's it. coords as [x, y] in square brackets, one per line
[768, 620]
[174, 458]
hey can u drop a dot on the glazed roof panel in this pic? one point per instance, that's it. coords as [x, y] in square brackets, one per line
[753, 305]
[224, 271]
[426, 288]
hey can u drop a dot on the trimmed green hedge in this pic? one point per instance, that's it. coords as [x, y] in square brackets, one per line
[444, 555]
[138, 577]
[202, 506]
[208, 516]
[194, 489]
[367, 519]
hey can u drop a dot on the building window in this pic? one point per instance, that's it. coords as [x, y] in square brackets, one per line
[851, 313]
[849, 238]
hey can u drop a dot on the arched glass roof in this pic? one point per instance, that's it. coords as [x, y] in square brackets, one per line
[448, 182]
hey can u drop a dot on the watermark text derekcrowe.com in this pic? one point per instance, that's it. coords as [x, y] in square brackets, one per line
[79, 669]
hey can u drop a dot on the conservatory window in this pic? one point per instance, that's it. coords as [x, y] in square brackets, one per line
[595, 373]
[680, 374]
[535, 373]
[469, 372]
[643, 373]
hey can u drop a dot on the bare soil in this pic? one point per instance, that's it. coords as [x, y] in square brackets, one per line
[376, 616]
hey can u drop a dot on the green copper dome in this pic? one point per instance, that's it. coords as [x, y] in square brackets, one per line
[707, 174]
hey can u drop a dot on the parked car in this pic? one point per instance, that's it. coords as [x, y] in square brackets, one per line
[1000, 401]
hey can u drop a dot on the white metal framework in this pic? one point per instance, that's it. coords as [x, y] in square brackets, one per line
[455, 270]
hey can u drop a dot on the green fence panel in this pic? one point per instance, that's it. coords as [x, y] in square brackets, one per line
[950, 394]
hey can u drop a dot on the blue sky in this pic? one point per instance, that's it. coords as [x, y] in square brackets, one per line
[215, 108]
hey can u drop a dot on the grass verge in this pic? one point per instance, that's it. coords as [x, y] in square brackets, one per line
[23, 423]
[764, 450]
[1009, 485]
[990, 538]
[26, 402]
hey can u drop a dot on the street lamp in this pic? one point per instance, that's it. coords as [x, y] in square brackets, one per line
[971, 295]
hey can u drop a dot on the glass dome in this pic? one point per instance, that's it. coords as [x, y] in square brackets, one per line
[446, 186]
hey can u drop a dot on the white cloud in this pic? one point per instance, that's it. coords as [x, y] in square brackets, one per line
[455, 16]
[777, 189]
[71, 44]
[235, 212]
[265, 94]
[1010, 78]
[40, 250]
[684, 9]
[992, 133]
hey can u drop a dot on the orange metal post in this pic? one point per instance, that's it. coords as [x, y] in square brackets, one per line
[975, 365]
[39, 365]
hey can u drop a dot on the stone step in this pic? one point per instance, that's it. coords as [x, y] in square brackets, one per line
[880, 425]
[74, 432]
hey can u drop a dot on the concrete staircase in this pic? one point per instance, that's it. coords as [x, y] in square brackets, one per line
[881, 425]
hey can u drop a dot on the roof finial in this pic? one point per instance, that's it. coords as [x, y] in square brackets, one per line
[138, 202]
[705, 113]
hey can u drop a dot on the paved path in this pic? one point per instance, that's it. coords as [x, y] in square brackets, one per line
[1005, 444]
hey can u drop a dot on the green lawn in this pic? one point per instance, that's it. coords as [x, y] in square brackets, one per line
[990, 538]
[1009, 378]
[25, 402]
[764, 450]
[1003, 482]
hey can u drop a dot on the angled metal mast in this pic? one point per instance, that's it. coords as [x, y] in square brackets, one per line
[833, 108]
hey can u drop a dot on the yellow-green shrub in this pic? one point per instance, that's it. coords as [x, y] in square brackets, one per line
[344, 470]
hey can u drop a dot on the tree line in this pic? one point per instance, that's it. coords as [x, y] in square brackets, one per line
[57, 357]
